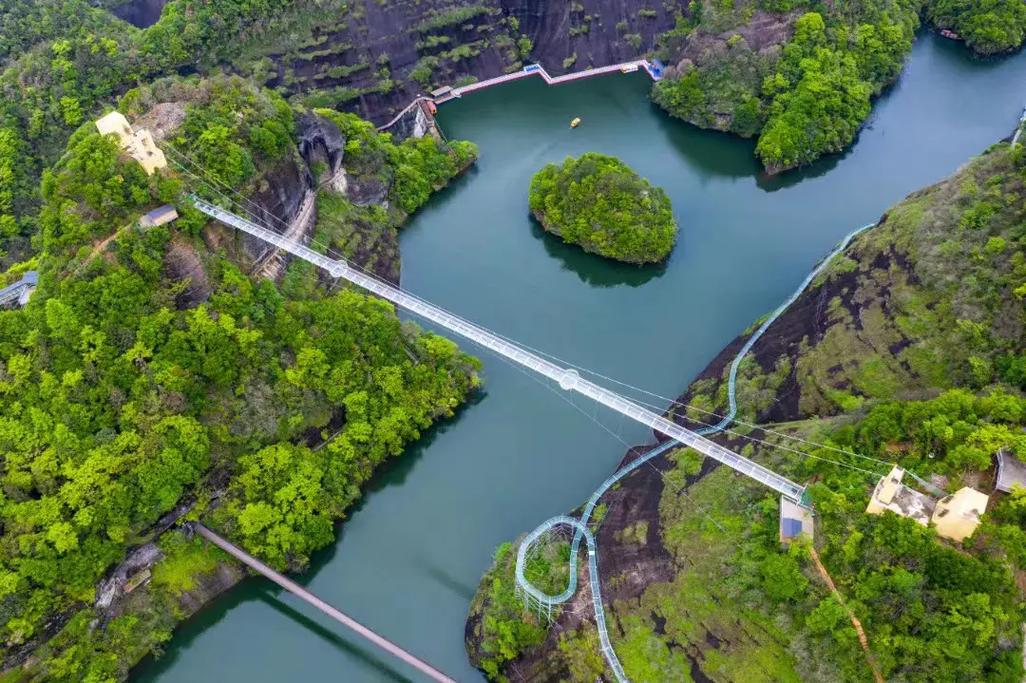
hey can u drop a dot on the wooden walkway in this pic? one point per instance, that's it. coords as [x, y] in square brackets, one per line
[539, 70]
[311, 599]
[655, 71]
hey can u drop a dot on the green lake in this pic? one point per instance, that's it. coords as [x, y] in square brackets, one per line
[408, 559]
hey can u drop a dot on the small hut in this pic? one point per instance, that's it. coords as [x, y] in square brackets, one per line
[159, 216]
[1011, 472]
[795, 522]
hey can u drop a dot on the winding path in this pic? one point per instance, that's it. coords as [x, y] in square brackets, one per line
[536, 598]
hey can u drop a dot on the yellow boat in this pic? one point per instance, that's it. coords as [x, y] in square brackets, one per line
[576, 122]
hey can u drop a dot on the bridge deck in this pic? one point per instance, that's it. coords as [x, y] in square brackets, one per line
[308, 597]
[567, 378]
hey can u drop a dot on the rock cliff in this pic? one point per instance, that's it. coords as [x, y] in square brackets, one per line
[377, 57]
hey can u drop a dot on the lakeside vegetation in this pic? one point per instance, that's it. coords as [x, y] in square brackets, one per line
[987, 26]
[806, 89]
[915, 359]
[599, 203]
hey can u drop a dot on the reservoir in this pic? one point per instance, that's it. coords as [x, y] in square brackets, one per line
[408, 559]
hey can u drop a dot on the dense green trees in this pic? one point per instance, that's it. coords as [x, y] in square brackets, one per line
[805, 98]
[818, 99]
[62, 61]
[598, 202]
[956, 432]
[117, 405]
[411, 170]
[503, 627]
[987, 26]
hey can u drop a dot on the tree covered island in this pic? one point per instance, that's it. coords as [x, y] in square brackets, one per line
[599, 203]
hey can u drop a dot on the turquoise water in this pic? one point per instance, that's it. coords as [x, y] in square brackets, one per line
[408, 560]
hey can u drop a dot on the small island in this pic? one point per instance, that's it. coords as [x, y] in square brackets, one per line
[599, 203]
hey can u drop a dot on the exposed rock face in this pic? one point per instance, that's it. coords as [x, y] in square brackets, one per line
[367, 189]
[763, 31]
[141, 558]
[378, 60]
[301, 227]
[558, 30]
[277, 200]
[320, 140]
[181, 262]
[209, 586]
[141, 13]
[730, 67]
[162, 120]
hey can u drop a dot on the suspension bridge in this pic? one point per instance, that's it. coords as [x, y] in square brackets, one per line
[311, 599]
[563, 374]
[567, 378]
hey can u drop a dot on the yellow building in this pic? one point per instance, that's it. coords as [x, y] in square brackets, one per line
[138, 144]
[891, 494]
[957, 516]
[115, 123]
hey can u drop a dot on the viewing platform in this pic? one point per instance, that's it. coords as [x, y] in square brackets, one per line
[19, 293]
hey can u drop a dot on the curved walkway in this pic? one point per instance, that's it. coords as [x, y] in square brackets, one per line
[538, 599]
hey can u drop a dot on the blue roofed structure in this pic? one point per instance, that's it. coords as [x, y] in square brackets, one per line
[159, 216]
[795, 521]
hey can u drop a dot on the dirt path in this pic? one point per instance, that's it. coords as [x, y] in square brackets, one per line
[863, 640]
[102, 246]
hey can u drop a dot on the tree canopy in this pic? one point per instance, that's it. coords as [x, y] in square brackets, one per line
[809, 94]
[987, 26]
[599, 203]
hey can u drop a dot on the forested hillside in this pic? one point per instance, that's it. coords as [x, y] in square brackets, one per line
[908, 349]
[149, 375]
[753, 67]
[63, 61]
[799, 75]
